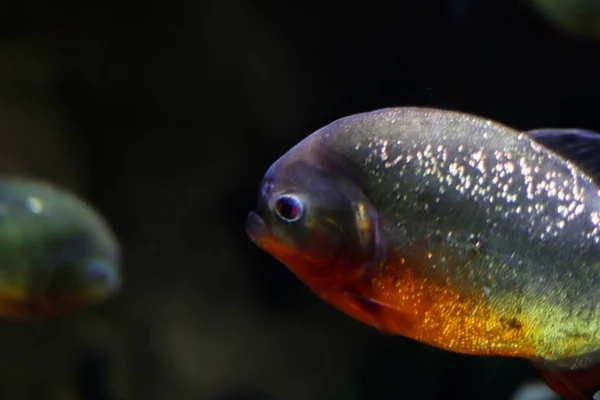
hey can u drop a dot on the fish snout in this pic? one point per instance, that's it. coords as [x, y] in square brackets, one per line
[256, 228]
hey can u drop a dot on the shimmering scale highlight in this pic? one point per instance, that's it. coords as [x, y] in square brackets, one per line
[497, 178]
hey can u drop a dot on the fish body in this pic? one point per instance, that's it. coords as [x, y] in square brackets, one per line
[447, 228]
[57, 253]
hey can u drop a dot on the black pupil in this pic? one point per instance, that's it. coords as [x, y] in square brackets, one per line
[287, 208]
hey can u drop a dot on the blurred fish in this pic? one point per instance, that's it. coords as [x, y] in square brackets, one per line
[56, 253]
[579, 17]
[450, 229]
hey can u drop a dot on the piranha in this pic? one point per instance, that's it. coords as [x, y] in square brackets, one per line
[56, 252]
[450, 229]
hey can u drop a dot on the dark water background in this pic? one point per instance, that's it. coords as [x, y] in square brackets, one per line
[165, 115]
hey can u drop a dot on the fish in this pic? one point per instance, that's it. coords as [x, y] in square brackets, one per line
[580, 18]
[450, 229]
[57, 253]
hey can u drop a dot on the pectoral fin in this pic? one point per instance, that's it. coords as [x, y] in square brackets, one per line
[384, 317]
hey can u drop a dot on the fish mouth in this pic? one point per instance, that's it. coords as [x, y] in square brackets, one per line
[256, 228]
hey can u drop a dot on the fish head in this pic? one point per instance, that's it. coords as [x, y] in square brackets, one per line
[77, 270]
[314, 218]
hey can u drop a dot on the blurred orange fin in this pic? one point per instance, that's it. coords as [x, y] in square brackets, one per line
[581, 384]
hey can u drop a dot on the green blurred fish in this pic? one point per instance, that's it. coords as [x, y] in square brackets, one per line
[56, 253]
[579, 17]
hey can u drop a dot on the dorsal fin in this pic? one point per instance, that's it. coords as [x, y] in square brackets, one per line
[579, 146]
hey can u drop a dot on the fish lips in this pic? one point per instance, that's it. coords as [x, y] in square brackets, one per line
[256, 228]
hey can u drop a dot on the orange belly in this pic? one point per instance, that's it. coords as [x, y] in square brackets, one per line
[399, 302]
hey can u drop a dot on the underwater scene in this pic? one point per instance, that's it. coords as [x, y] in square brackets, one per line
[261, 200]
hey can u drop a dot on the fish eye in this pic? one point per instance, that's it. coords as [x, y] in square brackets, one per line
[289, 208]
